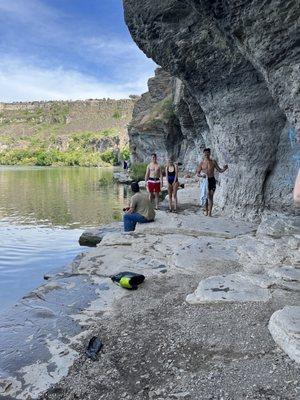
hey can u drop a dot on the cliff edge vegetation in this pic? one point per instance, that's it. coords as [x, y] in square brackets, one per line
[74, 133]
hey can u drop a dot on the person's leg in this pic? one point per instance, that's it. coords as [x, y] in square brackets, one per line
[156, 200]
[175, 188]
[170, 196]
[150, 190]
[129, 222]
[156, 193]
[210, 201]
[206, 208]
[151, 194]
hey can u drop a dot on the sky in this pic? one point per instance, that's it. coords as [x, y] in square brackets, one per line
[68, 50]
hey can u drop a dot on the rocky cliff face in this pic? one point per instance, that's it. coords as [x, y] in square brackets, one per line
[154, 126]
[21, 123]
[167, 121]
[239, 64]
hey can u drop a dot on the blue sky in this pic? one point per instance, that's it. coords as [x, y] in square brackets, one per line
[68, 49]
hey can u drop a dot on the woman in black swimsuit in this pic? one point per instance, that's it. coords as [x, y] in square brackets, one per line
[172, 179]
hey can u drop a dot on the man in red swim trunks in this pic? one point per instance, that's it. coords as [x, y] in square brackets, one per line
[154, 179]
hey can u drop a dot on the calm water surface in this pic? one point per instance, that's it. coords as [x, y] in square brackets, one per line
[43, 211]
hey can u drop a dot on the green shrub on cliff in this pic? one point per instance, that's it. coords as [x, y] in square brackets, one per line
[168, 109]
[59, 113]
[56, 157]
[117, 114]
[5, 139]
[110, 156]
[125, 152]
[112, 132]
[138, 171]
[87, 139]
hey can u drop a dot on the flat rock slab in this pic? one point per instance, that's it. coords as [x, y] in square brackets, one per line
[203, 253]
[279, 225]
[196, 224]
[230, 288]
[258, 254]
[284, 327]
[92, 237]
[286, 276]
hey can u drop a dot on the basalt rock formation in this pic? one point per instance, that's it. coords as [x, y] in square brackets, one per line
[238, 62]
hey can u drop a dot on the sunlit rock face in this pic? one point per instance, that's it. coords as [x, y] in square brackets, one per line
[168, 121]
[238, 62]
[154, 127]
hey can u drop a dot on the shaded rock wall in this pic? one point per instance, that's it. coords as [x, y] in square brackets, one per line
[239, 63]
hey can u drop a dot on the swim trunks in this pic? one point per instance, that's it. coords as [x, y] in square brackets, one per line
[212, 183]
[153, 185]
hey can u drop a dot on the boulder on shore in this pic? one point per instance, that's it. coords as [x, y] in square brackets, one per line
[92, 237]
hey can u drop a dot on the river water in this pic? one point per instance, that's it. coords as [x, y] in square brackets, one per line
[43, 211]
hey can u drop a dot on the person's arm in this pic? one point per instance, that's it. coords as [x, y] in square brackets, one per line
[167, 175]
[220, 169]
[199, 169]
[161, 176]
[131, 206]
[176, 174]
[147, 174]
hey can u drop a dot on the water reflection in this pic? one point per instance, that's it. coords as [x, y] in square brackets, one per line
[65, 197]
[43, 211]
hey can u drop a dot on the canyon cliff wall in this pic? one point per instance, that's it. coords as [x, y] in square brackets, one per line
[238, 66]
[53, 124]
[168, 122]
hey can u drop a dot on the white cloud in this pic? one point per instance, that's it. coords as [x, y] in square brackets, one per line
[109, 45]
[33, 11]
[33, 15]
[20, 81]
[46, 55]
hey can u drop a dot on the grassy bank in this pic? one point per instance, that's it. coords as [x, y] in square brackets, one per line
[80, 149]
[138, 171]
[42, 157]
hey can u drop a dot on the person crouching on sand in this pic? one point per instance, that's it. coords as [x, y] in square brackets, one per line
[172, 179]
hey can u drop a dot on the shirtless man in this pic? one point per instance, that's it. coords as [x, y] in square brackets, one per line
[208, 166]
[154, 179]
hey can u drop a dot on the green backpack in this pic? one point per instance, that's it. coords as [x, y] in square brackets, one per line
[128, 280]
